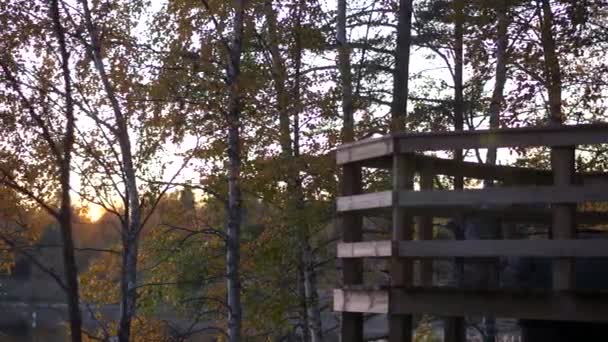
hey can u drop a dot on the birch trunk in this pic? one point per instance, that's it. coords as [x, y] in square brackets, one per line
[132, 224]
[233, 231]
[65, 213]
[310, 274]
[312, 296]
[309, 312]
[303, 307]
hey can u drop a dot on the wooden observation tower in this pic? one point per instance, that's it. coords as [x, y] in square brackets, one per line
[520, 194]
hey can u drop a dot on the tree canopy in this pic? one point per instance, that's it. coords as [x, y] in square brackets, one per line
[205, 130]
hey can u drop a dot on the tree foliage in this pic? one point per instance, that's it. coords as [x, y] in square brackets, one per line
[154, 100]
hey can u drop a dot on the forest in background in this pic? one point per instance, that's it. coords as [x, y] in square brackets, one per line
[205, 131]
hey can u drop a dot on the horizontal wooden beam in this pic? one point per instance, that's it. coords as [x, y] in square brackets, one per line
[562, 135]
[582, 248]
[369, 301]
[475, 197]
[365, 149]
[510, 213]
[503, 196]
[524, 304]
[451, 167]
[364, 249]
[383, 199]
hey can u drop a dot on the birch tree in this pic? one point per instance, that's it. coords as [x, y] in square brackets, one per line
[234, 212]
[57, 134]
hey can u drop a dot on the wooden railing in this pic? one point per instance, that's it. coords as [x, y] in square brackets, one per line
[547, 195]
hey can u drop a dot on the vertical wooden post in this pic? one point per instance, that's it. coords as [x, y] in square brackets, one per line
[455, 327]
[425, 227]
[351, 224]
[454, 330]
[400, 326]
[563, 225]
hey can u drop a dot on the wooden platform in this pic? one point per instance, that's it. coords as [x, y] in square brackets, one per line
[520, 195]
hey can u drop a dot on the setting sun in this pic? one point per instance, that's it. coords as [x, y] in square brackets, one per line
[94, 212]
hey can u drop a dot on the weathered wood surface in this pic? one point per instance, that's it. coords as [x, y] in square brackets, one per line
[351, 224]
[365, 249]
[560, 188]
[586, 248]
[506, 213]
[475, 197]
[451, 167]
[563, 226]
[588, 134]
[383, 199]
[503, 196]
[511, 213]
[425, 227]
[525, 304]
[364, 150]
[373, 301]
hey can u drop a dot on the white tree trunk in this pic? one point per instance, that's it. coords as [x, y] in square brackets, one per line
[233, 231]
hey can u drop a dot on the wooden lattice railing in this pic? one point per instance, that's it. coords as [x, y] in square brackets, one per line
[526, 198]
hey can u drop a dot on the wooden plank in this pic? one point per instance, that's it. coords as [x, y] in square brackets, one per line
[351, 327]
[367, 249]
[506, 248]
[365, 149]
[510, 137]
[563, 227]
[374, 301]
[588, 134]
[542, 305]
[503, 196]
[468, 169]
[383, 199]
[591, 178]
[586, 248]
[524, 304]
[511, 214]
[475, 197]
[511, 174]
